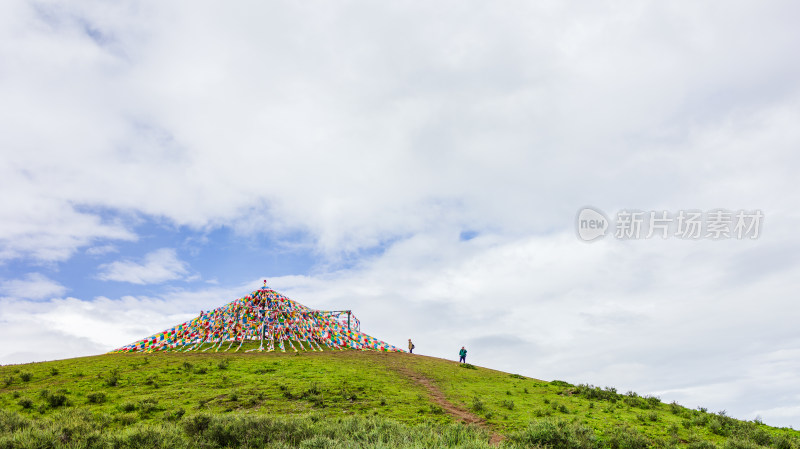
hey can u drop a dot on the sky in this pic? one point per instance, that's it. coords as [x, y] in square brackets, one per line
[424, 164]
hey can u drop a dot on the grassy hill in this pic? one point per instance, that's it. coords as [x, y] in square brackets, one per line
[338, 399]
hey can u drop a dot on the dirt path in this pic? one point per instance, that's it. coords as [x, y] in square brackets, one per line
[439, 398]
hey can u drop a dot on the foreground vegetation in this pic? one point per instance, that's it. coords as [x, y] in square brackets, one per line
[337, 399]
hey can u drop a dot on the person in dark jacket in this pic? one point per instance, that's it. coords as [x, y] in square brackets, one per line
[462, 355]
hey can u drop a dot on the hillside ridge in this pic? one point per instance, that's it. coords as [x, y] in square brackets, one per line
[119, 393]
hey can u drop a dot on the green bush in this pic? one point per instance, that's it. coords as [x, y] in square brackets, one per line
[196, 425]
[147, 406]
[436, 410]
[653, 401]
[702, 444]
[477, 404]
[97, 397]
[148, 436]
[112, 380]
[736, 443]
[627, 438]
[784, 442]
[555, 434]
[25, 403]
[128, 406]
[592, 392]
[12, 421]
[54, 400]
[25, 376]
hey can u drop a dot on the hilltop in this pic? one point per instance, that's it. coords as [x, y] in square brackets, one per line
[339, 398]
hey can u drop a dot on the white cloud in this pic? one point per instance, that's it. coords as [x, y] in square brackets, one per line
[101, 250]
[378, 125]
[33, 286]
[158, 266]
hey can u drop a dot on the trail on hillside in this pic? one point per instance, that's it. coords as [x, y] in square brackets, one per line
[439, 398]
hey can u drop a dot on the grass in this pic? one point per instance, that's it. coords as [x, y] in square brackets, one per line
[337, 399]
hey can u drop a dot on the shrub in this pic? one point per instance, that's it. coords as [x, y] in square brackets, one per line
[561, 383]
[176, 414]
[701, 444]
[467, 366]
[784, 442]
[127, 406]
[555, 434]
[509, 404]
[223, 364]
[12, 422]
[147, 406]
[54, 371]
[127, 419]
[25, 403]
[56, 400]
[146, 436]
[748, 431]
[97, 397]
[736, 443]
[592, 392]
[8, 380]
[653, 401]
[715, 426]
[113, 378]
[517, 376]
[700, 420]
[477, 404]
[313, 389]
[196, 425]
[25, 376]
[627, 438]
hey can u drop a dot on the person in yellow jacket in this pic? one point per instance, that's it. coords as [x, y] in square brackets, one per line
[410, 347]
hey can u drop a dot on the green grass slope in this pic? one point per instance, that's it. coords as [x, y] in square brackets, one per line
[337, 399]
